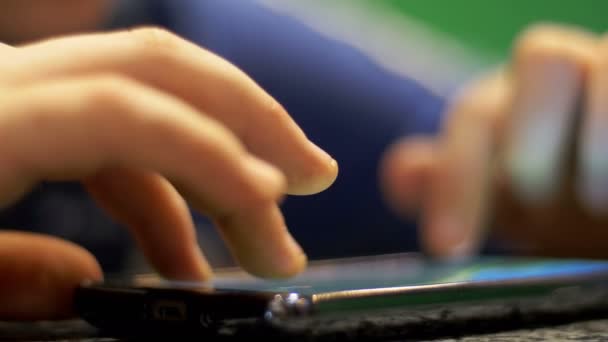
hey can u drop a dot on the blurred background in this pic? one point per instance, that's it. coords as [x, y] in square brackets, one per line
[440, 45]
[439, 42]
[488, 27]
[356, 75]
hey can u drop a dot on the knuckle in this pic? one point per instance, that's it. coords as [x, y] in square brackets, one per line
[280, 117]
[109, 102]
[272, 112]
[153, 35]
[466, 102]
[109, 90]
[154, 42]
[275, 111]
[483, 102]
[116, 98]
[550, 42]
[538, 39]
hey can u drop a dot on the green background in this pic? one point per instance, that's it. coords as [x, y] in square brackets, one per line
[489, 26]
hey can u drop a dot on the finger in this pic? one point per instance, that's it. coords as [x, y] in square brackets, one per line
[405, 173]
[39, 275]
[456, 209]
[270, 252]
[593, 157]
[110, 122]
[550, 66]
[257, 238]
[148, 204]
[160, 59]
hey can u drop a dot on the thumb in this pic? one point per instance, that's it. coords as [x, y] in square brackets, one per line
[38, 275]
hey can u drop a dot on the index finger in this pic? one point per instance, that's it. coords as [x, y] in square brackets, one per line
[208, 82]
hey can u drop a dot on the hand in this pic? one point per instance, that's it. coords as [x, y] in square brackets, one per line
[523, 151]
[146, 121]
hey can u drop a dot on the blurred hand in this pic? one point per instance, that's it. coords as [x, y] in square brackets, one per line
[146, 120]
[523, 152]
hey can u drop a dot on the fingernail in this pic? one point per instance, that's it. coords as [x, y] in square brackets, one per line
[331, 162]
[322, 173]
[543, 111]
[295, 259]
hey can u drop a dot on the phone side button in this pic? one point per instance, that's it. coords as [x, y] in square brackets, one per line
[169, 310]
[285, 305]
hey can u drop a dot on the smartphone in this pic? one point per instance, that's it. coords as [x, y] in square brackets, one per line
[392, 295]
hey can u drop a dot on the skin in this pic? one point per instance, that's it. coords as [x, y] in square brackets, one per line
[112, 110]
[510, 160]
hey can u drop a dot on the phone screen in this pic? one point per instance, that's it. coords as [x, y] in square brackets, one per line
[401, 271]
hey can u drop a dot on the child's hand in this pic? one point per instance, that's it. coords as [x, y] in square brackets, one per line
[146, 120]
[523, 152]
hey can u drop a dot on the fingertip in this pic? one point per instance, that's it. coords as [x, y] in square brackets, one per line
[288, 260]
[262, 244]
[329, 176]
[446, 237]
[191, 266]
[456, 207]
[322, 171]
[40, 275]
[200, 269]
[293, 264]
[158, 217]
[404, 171]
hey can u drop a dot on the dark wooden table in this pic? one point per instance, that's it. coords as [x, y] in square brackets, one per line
[77, 331]
[596, 330]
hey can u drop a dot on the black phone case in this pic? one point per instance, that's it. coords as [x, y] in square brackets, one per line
[125, 313]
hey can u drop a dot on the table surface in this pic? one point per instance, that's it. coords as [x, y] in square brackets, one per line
[77, 331]
[596, 330]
